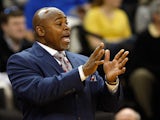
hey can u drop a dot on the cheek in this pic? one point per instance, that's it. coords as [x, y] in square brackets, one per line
[19, 30]
[14, 29]
[11, 31]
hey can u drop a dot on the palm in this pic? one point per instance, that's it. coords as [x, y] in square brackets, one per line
[111, 69]
[115, 67]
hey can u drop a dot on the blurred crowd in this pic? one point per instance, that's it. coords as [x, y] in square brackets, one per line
[133, 25]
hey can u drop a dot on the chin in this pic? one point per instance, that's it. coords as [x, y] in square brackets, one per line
[68, 47]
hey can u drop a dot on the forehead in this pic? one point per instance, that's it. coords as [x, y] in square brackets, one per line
[51, 13]
[16, 18]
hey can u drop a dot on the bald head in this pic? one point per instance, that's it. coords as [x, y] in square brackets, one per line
[43, 14]
[127, 114]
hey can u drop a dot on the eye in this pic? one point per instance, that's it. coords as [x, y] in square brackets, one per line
[59, 23]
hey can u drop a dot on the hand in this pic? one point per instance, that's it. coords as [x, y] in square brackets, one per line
[115, 67]
[94, 60]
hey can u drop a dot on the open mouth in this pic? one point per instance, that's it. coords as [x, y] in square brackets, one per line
[66, 38]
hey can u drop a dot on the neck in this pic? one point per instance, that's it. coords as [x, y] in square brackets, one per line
[108, 10]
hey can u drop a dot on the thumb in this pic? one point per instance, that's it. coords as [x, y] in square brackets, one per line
[99, 62]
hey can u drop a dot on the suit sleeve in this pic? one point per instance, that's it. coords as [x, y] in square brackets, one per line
[29, 83]
[110, 102]
[105, 100]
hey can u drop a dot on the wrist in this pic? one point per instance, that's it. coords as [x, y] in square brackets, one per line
[112, 82]
[81, 73]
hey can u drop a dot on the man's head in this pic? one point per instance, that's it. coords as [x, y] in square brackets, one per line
[51, 29]
[127, 114]
[13, 23]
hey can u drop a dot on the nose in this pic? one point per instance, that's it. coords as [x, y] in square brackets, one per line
[66, 27]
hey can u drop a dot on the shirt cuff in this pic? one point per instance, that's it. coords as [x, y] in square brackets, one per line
[81, 73]
[113, 88]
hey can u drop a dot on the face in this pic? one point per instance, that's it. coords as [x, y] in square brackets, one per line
[113, 3]
[56, 30]
[15, 28]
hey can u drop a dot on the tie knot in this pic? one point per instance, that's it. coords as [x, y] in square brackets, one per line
[59, 55]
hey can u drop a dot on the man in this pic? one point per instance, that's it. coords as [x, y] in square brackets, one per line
[12, 38]
[46, 91]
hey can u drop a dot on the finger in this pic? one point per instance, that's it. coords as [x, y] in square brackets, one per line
[123, 56]
[98, 56]
[107, 55]
[97, 50]
[123, 63]
[119, 54]
[99, 62]
[122, 71]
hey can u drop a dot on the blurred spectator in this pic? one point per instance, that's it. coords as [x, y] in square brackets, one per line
[12, 35]
[9, 3]
[12, 40]
[68, 6]
[127, 114]
[144, 76]
[106, 21]
[142, 15]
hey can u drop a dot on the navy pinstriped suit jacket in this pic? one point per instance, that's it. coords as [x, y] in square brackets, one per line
[45, 92]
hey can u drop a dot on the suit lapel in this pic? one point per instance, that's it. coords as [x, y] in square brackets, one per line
[46, 57]
[74, 62]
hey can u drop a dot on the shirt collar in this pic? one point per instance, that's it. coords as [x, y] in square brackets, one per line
[49, 50]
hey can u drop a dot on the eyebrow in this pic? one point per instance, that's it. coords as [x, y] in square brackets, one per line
[57, 18]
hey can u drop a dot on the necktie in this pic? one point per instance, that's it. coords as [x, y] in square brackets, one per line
[64, 61]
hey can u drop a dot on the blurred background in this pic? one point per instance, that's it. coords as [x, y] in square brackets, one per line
[133, 25]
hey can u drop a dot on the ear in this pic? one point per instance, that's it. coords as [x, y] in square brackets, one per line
[40, 31]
